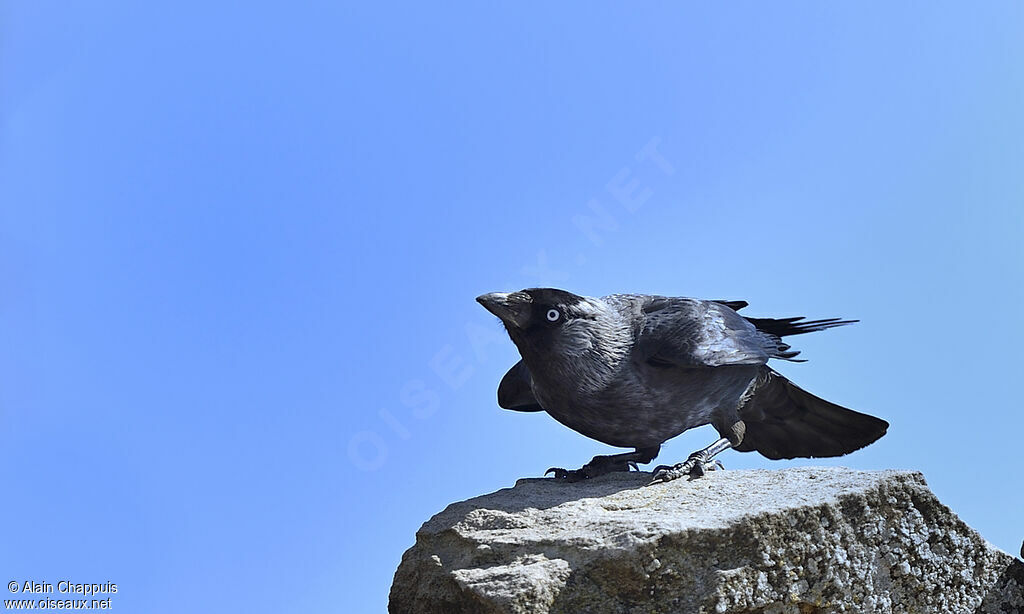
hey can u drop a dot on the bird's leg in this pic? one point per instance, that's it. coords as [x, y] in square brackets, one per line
[601, 465]
[696, 465]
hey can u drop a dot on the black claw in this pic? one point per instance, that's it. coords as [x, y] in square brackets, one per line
[598, 466]
[569, 475]
[695, 466]
[667, 473]
[664, 473]
[701, 468]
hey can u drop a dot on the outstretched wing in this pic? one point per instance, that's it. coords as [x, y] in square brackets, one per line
[685, 332]
[515, 391]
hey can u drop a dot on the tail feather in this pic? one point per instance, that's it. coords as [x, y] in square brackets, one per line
[784, 327]
[785, 421]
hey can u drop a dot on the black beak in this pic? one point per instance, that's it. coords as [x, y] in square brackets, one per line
[512, 307]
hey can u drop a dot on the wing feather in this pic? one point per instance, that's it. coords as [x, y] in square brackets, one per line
[515, 391]
[685, 332]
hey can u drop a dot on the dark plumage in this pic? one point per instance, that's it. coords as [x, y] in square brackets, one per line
[634, 370]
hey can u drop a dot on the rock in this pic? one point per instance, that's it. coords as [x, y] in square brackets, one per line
[800, 541]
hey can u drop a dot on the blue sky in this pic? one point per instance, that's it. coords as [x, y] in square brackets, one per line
[239, 246]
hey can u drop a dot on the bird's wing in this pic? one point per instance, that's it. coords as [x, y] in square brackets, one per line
[515, 391]
[685, 332]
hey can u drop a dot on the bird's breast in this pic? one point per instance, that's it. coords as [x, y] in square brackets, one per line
[645, 406]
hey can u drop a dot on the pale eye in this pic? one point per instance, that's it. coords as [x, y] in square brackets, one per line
[553, 315]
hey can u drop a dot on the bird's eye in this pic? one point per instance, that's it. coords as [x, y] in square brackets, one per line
[553, 315]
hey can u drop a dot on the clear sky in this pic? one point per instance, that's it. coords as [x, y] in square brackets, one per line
[239, 246]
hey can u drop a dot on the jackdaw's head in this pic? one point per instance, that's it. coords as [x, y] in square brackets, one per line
[550, 322]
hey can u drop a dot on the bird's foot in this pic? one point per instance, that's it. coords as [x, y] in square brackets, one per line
[695, 466]
[600, 465]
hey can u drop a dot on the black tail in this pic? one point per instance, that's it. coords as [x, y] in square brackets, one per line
[778, 328]
[785, 421]
[784, 327]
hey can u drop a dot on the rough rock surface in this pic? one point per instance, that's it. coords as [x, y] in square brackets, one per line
[800, 541]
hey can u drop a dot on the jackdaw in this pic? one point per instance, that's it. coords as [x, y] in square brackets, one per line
[634, 370]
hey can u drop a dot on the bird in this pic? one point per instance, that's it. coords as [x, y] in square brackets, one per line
[635, 370]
